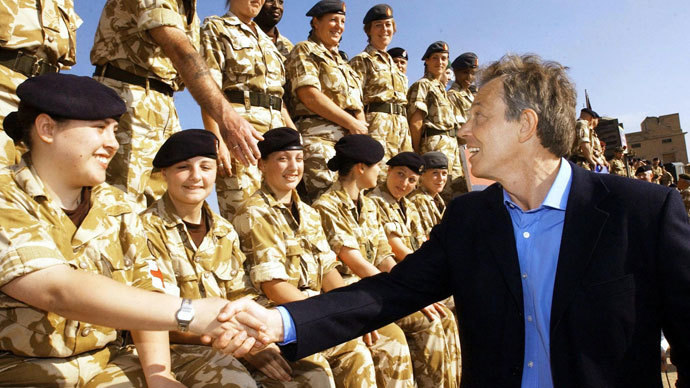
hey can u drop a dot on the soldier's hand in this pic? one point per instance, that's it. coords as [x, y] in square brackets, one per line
[271, 363]
[430, 312]
[266, 324]
[163, 380]
[224, 159]
[240, 136]
[371, 338]
[358, 127]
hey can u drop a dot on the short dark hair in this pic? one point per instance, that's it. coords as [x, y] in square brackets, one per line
[543, 86]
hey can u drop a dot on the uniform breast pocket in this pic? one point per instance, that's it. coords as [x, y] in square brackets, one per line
[241, 60]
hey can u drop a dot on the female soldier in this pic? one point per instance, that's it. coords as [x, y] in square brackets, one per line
[384, 86]
[201, 250]
[354, 232]
[249, 69]
[426, 198]
[432, 117]
[327, 94]
[60, 227]
[290, 260]
[459, 94]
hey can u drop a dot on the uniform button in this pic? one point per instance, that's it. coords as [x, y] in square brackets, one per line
[85, 332]
[525, 234]
[196, 259]
[529, 318]
[233, 272]
[50, 39]
[530, 364]
[206, 275]
[83, 265]
[128, 263]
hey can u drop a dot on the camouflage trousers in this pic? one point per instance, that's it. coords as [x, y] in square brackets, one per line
[318, 139]
[435, 349]
[9, 102]
[392, 361]
[351, 364]
[393, 132]
[150, 119]
[90, 369]
[448, 145]
[234, 190]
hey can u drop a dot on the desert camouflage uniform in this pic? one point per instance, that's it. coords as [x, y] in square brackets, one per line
[435, 358]
[657, 172]
[311, 64]
[462, 101]
[685, 195]
[296, 250]
[618, 167]
[430, 97]
[41, 348]
[240, 59]
[584, 134]
[123, 41]
[213, 269]
[398, 218]
[41, 28]
[383, 82]
[430, 208]
[283, 44]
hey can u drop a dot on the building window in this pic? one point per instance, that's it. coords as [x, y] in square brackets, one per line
[636, 145]
[669, 140]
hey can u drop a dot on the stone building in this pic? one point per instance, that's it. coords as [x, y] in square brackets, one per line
[660, 137]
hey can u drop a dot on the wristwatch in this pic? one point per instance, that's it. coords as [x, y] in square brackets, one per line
[184, 315]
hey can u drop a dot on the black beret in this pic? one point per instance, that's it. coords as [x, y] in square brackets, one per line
[327, 6]
[279, 139]
[68, 96]
[435, 159]
[398, 52]
[643, 169]
[184, 145]
[465, 61]
[356, 149]
[591, 112]
[436, 47]
[408, 159]
[378, 12]
[344, 55]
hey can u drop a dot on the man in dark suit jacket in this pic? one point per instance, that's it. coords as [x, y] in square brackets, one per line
[561, 277]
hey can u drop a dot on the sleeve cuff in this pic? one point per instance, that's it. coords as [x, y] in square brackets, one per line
[289, 332]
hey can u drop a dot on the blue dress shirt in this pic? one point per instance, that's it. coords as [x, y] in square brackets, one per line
[538, 235]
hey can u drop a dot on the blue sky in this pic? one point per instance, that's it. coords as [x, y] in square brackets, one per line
[631, 56]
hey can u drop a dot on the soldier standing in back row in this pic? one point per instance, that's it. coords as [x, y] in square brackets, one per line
[267, 19]
[464, 68]
[384, 86]
[145, 50]
[400, 58]
[617, 162]
[432, 117]
[584, 152]
[326, 94]
[36, 37]
[249, 70]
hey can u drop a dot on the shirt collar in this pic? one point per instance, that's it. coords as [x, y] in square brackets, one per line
[557, 197]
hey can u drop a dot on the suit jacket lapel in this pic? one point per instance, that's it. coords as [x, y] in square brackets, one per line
[584, 221]
[498, 228]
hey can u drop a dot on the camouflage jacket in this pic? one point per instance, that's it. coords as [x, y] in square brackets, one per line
[213, 269]
[36, 234]
[346, 227]
[44, 28]
[240, 59]
[123, 37]
[618, 167]
[430, 208]
[283, 44]
[280, 247]
[311, 64]
[462, 101]
[382, 81]
[685, 194]
[429, 96]
[398, 218]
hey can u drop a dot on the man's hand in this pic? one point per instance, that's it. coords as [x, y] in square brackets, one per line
[240, 136]
[237, 334]
[434, 311]
[224, 160]
[271, 363]
[371, 338]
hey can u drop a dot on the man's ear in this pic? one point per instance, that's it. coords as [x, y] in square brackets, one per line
[46, 128]
[528, 125]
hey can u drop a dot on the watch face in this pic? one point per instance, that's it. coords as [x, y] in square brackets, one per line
[185, 315]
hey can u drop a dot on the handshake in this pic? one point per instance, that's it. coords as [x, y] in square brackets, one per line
[237, 327]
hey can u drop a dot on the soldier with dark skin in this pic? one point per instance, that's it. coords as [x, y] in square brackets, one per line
[268, 18]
